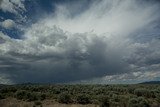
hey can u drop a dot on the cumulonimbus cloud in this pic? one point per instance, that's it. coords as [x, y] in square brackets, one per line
[101, 40]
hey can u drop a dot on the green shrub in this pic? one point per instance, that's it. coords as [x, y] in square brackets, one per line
[104, 102]
[20, 94]
[1, 96]
[143, 102]
[31, 96]
[142, 92]
[83, 99]
[8, 90]
[158, 97]
[64, 98]
[133, 102]
[138, 102]
[37, 103]
[24, 95]
[42, 96]
[131, 90]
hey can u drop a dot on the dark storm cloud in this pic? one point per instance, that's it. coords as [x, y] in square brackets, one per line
[99, 41]
[68, 66]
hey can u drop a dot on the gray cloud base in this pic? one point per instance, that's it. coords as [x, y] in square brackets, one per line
[101, 41]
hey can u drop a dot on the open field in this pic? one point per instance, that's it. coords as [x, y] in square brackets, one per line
[36, 95]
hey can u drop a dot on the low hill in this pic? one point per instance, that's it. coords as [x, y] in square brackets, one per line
[151, 82]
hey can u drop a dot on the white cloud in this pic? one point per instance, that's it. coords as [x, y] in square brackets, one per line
[126, 78]
[12, 6]
[8, 24]
[122, 17]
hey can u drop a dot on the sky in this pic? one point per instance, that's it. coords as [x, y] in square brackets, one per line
[79, 41]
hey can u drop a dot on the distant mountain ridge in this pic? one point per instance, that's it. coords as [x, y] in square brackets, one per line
[151, 82]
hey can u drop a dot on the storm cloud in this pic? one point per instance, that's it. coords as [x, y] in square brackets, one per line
[107, 38]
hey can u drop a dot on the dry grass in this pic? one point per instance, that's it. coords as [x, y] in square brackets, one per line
[12, 102]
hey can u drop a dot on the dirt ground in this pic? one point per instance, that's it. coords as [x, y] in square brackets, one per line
[12, 102]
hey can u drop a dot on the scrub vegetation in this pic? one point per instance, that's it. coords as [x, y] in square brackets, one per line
[138, 95]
